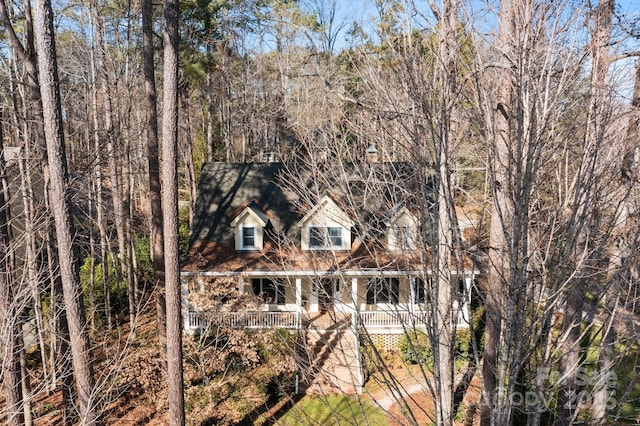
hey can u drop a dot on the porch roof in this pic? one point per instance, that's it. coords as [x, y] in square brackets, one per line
[213, 257]
[209, 258]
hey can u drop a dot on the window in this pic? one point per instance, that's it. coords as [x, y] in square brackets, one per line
[316, 239]
[382, 290]
[248, 237]
[335, 236]
[270, 291]
[325, 237]
[421, 290]
[462, 288]
[404, 236]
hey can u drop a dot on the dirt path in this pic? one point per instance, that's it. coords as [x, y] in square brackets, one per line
[413, 391]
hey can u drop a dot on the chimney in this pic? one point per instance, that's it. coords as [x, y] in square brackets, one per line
[267, 156]
[372, 154]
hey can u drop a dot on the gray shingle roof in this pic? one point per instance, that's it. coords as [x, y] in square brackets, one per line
[285, 192]
[225, 189]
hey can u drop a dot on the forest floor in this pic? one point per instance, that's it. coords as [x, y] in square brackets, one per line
[143, 402]
[416, 399]
[131, 409]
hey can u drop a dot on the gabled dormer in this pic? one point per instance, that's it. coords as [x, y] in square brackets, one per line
[402, 229]
[249, 226]
[325, 227]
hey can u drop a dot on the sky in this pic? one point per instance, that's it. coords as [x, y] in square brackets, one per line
[364, 12]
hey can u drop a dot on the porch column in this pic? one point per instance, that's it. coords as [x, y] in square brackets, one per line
[298, 294]
[468, 281]
[299, 302]
[184, 301]
[412, 294]
[356, 335]
[354, 294]
[313, 296]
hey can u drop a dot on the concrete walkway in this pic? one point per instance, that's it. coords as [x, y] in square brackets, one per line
[396, 395]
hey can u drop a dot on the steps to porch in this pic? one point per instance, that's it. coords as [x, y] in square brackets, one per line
[328, 355]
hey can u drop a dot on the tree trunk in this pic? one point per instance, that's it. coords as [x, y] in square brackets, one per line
[113, 158]
[27, 196]
[155, 198]
[186, 149]
[572, 323]
[444, 331]
[26, 383]
[63, 355]
[501, 213]
[170, 213]
[97, 190]
[9, 317]
[60, 206]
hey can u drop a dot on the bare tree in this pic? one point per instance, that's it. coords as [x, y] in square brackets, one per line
[98, 192]
[155, 198]
[60, 205]
[544, 255]
[170, 213]
[585, 202]
[9, 318]
[501, 213]
[115, 172]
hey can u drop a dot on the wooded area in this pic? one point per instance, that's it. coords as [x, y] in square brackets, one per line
[523, 116]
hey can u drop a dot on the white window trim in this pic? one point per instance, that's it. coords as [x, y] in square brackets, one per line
[248, 218]
[397, 242]
[326, 237]
[279, 288]
[253, 235]
[327, 215]
[385, 286]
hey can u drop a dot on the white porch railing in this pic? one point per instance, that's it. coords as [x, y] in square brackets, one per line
[249, 319]
[371, 320]
[391, 319]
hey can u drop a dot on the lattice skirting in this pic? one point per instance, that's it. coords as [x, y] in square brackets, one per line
[386, 341]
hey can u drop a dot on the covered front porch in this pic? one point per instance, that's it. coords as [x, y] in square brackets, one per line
[380, 302]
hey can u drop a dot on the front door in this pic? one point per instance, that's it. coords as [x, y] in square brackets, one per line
[329, 294]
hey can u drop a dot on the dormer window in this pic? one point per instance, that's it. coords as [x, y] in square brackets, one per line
[325, 237]
[248, 237]
[335, 236]
[404, 236]
[249, 226]
[402, 228]
[325, 227]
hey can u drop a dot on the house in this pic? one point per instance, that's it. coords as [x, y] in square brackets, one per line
[317, 249]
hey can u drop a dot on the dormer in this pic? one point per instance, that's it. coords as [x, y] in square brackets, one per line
[402, 229]
[325, 227]
[249, 226]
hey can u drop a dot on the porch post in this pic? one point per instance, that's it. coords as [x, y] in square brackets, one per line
[356, 336]
[313, 296]
[299, 301]
[354, 294]
[412, 300]
[468, 280]
[184, 290]
[412, 294]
